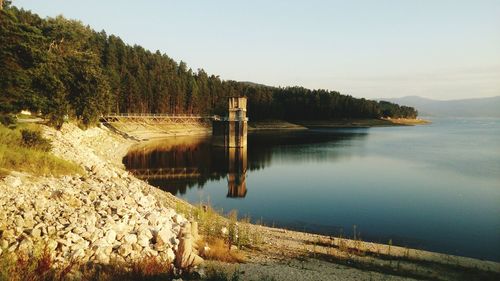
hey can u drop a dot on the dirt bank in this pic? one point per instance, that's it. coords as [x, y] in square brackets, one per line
[337, 123]
[143, 131]
[274, 125]
[361, 123]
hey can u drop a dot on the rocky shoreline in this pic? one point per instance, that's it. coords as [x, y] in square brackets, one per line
[106, 215]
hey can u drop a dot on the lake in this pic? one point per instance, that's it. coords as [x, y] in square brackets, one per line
[434, 187]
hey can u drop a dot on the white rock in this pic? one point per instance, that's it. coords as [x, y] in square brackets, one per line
[78, 254]
[25, 246]
[35, 233]
[224, 231]
[101, 244]
[78, 230]
[170, 255]
[143, 241]
[52, 245]
[164, 236]
[178, 218]
[145, 231]
[153, 219]
[150, 252]
[105, 215]
[137, 247]
[4, 244]
[125, 250]
[51, 230]
[130, 239]
[111, 236]
[12, 247]
[101, 257]
[13, 181]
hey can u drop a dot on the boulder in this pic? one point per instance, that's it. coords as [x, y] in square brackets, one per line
[186, 257]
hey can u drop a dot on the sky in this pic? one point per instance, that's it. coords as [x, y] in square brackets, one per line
[440, 49]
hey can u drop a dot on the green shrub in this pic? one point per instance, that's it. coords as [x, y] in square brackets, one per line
[34, 139]
[7, 120]
[9, 137]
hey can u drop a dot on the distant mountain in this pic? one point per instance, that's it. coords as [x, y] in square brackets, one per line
[478, 107]
[254, 84]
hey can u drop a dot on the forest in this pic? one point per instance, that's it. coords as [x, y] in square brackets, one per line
[62, 68]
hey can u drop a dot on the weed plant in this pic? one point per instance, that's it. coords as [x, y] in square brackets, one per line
[24, 149]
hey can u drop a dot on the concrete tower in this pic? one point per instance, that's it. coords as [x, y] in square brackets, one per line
[232, 130]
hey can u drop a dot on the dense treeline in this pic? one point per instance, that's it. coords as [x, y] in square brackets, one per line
[62, 68]
[389, 109]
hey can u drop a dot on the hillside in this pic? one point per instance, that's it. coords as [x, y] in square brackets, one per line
[61, 68]
[478, 107]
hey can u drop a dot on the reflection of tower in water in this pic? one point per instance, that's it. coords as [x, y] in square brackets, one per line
[237, 171]
[231, 132]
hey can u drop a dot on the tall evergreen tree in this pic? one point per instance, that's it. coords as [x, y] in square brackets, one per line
[61, 67]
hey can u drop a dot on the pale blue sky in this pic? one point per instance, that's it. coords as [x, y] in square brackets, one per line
[432, 48]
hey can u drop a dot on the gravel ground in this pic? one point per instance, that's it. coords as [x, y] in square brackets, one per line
[298, 270]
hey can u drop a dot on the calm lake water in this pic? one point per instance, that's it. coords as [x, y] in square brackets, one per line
[434, 187]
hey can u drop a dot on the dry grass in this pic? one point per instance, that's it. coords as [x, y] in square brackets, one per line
[238, 232]
[40, 267]
[3, 173]
[149, 268]
[35, 267]
[220, 250]
[29, 154]
[226, 236]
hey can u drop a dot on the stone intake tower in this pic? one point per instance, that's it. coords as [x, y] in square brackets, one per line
[231, 131]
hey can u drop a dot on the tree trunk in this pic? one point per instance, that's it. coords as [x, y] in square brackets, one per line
[1, 5]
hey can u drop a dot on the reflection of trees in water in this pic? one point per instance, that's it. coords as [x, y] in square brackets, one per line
[181, 186]
[209, 162]
[179, 164]
[300, 146]
[197, 162]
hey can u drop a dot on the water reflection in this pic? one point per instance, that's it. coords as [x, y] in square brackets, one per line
[176, 164]
[237, 172]
[433, 187]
